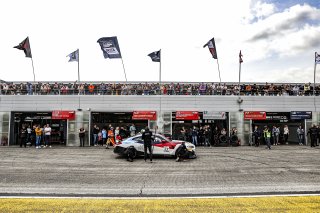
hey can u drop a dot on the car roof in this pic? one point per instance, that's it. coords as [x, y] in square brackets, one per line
[157, 134]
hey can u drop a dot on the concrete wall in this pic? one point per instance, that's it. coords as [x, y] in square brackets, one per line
[168, 103]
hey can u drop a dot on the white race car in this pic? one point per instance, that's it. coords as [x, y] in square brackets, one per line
[161, 146]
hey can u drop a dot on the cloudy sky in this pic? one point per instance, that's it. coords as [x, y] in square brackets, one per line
[278, 39]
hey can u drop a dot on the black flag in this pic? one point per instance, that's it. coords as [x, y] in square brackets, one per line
[155, 56]
[317, 58]
[110, 47]
[212, 48]
[25, 46]
[240, 57]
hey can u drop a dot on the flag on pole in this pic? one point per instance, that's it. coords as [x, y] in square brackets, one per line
[212, 48]
[240, 57]
[110, 47]
[25, 46]
[74, 56]
[317, 58]
[155, 56]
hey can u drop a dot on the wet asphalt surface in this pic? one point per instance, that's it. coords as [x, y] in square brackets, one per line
[218, 171]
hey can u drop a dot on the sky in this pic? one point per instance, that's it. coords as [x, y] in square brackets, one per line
[278, 40]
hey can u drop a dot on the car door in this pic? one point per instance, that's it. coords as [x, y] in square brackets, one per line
[156, 146]
[138, 144]
[162, 146]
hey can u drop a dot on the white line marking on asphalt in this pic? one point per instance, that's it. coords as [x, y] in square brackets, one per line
[159, 198]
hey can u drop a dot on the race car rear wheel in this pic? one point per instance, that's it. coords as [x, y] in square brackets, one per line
[132, 152]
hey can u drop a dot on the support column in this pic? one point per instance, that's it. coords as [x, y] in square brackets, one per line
[4, 128]
[82, 120]
[243, 127]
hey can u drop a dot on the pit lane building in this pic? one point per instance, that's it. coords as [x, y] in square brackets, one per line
[68, 113]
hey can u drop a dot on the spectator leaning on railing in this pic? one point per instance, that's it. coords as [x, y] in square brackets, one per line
[56, 88]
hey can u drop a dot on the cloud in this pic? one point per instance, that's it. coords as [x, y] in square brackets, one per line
[261, 10]
[290, 74]
[291, 32]
[291, 20]
[304, 40]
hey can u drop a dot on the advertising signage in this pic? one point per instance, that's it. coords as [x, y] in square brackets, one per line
[59, 114]
[144, 115]
[300, 115]
[276, 116]
[187, 115]
[254, 115]
[214, 115]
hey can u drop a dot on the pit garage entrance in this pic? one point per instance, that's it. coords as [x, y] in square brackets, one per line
[118, 119]
[31, 119]
[215, 121]
[292, 119]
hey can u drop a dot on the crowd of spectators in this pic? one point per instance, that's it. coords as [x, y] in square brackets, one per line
[152, 88]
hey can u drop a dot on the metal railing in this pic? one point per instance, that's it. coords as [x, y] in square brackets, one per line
[153, 88]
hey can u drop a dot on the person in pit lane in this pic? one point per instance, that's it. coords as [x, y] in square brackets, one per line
[182, 152]
[147, 140]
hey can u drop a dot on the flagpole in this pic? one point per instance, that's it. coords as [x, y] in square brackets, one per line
[79, 105]
[78, 66]
[239, 76]
[124, 70]
[34, 76]
[314, 73]
[160, 82]
[160, 73]
[219, 70]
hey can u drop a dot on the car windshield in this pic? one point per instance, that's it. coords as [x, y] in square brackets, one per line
[159, 138]
[162, 138]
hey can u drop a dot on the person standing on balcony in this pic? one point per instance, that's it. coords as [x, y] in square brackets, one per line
[91, 89]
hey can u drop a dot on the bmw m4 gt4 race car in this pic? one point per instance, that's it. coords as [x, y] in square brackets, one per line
[161, 146]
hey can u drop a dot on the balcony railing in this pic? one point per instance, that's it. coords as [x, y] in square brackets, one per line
[225, 89]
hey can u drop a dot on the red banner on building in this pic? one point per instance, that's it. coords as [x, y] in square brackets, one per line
[187, 115]
[255, 115]
[57, 114]
[144, 115]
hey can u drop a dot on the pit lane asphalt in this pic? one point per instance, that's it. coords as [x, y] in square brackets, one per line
[218, 171]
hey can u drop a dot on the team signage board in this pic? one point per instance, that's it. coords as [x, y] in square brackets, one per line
[144, 115]
[276, 116]
[187, 115]
[214, 115]
[254, 115]
[59, 114]
[300, 115]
